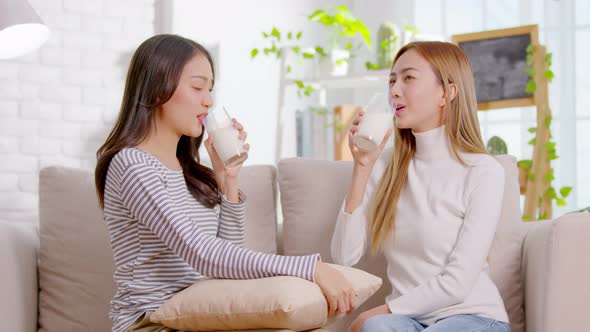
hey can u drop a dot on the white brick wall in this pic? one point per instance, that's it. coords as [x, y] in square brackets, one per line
[58, 103]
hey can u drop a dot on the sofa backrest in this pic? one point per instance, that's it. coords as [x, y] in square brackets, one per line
[75, 258]
[312, 192]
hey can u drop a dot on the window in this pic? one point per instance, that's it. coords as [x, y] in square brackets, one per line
[564, 28]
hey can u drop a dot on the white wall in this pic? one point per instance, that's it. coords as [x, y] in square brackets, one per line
[57, 103]
[249, 87]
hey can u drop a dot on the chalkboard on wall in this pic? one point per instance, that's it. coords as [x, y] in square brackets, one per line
[498, 60]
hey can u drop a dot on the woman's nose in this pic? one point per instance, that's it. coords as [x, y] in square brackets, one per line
[208, 100]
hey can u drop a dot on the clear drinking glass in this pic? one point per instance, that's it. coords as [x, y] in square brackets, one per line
[376, 121]
[226, 142]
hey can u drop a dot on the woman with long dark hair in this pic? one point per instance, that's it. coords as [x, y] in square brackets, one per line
[159, 201]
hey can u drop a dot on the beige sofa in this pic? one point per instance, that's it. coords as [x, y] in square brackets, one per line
[57, 276]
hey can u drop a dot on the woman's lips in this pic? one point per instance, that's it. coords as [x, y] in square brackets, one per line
[399, 110]
[201, 117]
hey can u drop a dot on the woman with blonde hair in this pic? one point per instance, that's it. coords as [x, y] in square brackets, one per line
[431, 204]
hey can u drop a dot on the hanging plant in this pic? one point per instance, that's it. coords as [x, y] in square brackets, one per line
[550, 146]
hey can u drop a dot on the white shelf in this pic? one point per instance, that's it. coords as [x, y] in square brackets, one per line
[377, 78]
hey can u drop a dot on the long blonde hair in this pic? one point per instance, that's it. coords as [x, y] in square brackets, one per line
[451, 66]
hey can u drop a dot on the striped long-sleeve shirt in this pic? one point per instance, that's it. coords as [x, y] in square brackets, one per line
[164, 240]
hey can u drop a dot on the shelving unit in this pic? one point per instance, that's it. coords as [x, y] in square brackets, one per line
[367, 80]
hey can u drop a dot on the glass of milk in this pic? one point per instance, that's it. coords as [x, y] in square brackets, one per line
[226, 142]
[375, 123]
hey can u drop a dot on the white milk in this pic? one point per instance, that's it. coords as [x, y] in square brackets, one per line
[372, 129]
[228, 146]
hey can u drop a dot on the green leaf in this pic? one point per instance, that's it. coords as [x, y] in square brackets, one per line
[307, 55]
[275, 33]
[548, 122]
[371, 66]
[266, 51]
[289, 35]
[531, 86]
[526, 217]
[298, 36]
[549, 59]
[550, 146]
[543, 216]
[288, 69]
[532, 130]
[340, 61]
[560, 202]
[412, 30]
[549, 177]
[551, 193]
[531, 177]
[531, 71]
[526, 163]
[530, 48]
[565, 191]
[296, 49]
[549, 75]
[321, 51]
[348, 46]
[552, 156]
[254, 53]
[317, 15]
[533, 141]
[299, 84]
[265, 35]
[529, 59]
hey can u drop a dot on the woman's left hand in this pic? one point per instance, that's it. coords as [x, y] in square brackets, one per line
[360, 320]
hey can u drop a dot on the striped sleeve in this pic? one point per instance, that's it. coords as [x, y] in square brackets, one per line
[232, 220]
[143, 192]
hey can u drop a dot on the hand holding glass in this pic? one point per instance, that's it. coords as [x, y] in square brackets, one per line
[376, 121]
[226, 141]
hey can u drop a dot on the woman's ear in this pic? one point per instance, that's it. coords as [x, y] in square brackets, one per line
[452, 93]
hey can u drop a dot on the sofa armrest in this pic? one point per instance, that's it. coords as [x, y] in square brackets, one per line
[556, 269]
[18, 281]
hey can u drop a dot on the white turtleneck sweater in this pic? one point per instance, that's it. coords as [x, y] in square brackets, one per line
[446, 218]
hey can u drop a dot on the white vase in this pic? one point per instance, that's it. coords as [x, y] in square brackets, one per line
[329, 67]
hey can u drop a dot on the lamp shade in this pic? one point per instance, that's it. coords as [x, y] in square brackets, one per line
[21, 29]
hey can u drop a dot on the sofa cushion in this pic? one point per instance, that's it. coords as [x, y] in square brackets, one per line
[311, 195]
[312, 192]
[75, 257]
[277, 302]
[505, 257]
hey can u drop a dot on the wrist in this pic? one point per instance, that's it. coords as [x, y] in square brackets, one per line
[362, 170]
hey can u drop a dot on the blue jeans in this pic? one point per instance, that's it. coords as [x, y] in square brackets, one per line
[457, 323]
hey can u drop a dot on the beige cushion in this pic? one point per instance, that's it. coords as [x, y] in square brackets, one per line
[505, 257]
[556, 270]
[259, 184]
[312, 192]
[75, 257]
[277, 302]
[311, 195]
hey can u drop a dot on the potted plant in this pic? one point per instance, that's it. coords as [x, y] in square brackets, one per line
[389, 41]
[343, 27]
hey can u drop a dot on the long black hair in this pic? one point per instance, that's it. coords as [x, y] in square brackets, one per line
[152, 78]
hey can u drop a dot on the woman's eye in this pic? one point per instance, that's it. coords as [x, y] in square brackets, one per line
[391, 82]
[409, 77]
[198, 89]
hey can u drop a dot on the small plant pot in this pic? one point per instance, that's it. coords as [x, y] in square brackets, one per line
[336, 64]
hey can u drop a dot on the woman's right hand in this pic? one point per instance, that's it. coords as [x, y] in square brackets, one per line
[338, 291]
[362, 159]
